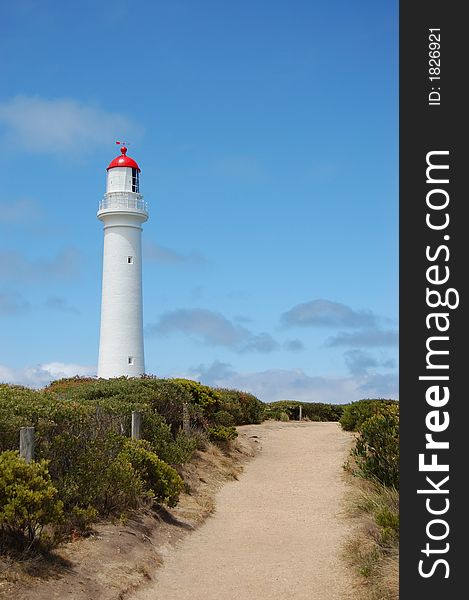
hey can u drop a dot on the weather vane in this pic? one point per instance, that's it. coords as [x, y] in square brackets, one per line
[123, 146]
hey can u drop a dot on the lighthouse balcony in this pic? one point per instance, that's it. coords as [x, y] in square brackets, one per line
[123, 201]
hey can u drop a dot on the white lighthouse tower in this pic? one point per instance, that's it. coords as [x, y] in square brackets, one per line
[122, 210]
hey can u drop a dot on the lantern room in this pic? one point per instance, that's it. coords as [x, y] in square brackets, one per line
[123, 174]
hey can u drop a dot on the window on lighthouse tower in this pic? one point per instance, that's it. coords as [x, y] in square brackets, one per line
[135, 182]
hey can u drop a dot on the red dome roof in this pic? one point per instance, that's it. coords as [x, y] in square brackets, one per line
[123, 161]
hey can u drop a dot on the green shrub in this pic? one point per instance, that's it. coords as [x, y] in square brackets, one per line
[82, 428]
[81, 518]
[167, 398]
[163, 397]
[120, 487]
[221, 434]
[377, 448]
[273, 413]
[114, 475]
[356, 413]
[223, 417]
[100, 477]
[244, 408]
[181, 448]
[313, 411]
[201, 395]
[160, 480]
[274, 410]
[28, 500]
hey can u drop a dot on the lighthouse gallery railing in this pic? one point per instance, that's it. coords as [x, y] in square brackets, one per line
[121, 200]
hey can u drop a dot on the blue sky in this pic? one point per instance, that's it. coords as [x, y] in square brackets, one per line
[267, 136]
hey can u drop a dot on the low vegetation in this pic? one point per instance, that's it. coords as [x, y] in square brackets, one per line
[88, 468]
[222, 434]
[86, 465]
[239, 408]
[285, 410]
[354, 414]
[374, 548]
[28, 500]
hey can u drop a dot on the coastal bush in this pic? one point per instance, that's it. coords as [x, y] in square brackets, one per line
[206, 405]
[163, 396]
[356, 413]
[28, 499]
[244, 408]
[120, 487]
[220, 434]
[81, 518]
[201, 395]
[160, 480]
[82, 427]
[376, 450]
[223, 417]
[91, 411]
[374, 547]
[313, 411]
[94, 475]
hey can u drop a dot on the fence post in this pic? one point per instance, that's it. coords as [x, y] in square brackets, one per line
[185, 418]
[301, 413]
[136, 424]
[27, 443]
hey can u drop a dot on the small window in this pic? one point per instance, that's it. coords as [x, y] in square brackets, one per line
[130, 260]
[130, 360]
[135, 181]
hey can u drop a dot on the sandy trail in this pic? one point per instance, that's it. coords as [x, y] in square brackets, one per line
[277, 533]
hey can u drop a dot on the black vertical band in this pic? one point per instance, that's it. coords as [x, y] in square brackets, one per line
[434, 269]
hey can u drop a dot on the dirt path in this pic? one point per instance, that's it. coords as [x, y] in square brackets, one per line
[277, 533]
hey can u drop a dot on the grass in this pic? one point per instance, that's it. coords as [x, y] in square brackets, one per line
[373, 548]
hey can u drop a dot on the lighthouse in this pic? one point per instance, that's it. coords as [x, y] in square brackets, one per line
[122, 211]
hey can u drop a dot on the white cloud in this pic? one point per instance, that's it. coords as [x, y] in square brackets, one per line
[367, 337]
[325, 313]
[295, 384]
[12, 303]
[261, 342]
[61, 125]
[16, 267]
[213, 329]
[294, 345]
[60, 304]
[217, 371]
[360, 362]
[377, 385]
[41, 375]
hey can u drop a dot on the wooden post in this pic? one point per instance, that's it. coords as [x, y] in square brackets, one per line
[185, 418]
[27, 443]
[136, 424]
[301, 413]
